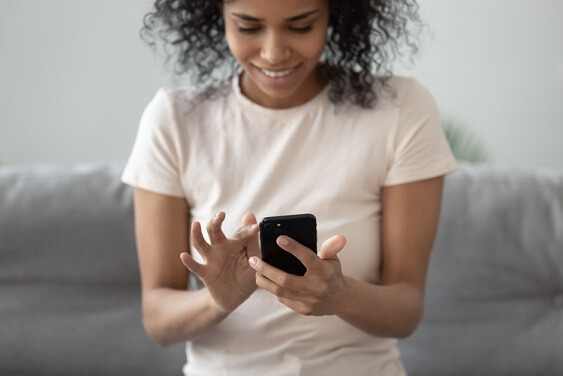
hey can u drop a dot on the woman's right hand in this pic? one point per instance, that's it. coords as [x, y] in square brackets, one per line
[226, 273]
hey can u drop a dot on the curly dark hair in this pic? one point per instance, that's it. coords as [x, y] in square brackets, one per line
[364, 38]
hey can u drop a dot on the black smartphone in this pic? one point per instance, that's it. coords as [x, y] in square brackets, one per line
[300, 227]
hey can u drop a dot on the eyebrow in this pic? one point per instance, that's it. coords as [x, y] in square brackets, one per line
[301, 16]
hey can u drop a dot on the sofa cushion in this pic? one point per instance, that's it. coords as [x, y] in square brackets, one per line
[494, 300]
[69, 281]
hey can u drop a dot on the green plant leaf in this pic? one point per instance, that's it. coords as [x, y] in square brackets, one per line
[465, 145]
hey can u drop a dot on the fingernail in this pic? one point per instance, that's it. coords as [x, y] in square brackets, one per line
[283, 240]
[252, 227]
[253, 261]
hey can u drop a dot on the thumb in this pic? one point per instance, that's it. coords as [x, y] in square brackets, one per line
[252, 246]
[331, 247]
[249, 219]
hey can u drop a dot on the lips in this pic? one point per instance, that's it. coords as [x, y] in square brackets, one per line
[277, 73]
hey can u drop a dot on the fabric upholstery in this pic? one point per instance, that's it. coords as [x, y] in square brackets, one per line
[70, 294]
[69, 281]
[494, 300]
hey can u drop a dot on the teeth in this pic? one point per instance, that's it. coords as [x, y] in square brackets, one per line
[278, 74]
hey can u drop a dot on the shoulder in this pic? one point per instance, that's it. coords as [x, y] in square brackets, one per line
[394, 94]
[406, 97]
[185, 100]
[409, 92]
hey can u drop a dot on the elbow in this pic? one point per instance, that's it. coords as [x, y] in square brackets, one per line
[155, 320]
[410, 325]
[412, 314]
[155, 333]
[406, 331]
[153, 324]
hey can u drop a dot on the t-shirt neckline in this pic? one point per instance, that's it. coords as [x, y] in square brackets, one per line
[254, 107]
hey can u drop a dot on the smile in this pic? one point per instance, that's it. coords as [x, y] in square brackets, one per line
[277, 74]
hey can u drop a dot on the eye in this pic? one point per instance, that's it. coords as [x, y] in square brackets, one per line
[301, 30]
[249, 30]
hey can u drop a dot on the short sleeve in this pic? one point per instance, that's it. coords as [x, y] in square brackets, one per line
[419, 149]
[154, 161]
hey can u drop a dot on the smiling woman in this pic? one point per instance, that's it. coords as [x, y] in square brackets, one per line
[362, 39]
[301, 125]
[279, 50]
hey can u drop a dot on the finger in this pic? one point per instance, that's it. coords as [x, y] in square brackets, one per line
[249, 219]
[214, 230]
[277, 290]
[331, 247]
[294, 300]
[275, 275]
[304, 254]
[297, 306]
[198, 241]
[249, 228]
[250, 235]
[192, 265]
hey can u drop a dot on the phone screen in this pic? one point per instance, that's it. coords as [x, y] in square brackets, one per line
[300, 227]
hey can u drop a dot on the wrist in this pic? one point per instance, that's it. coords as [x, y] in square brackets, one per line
[346, 297]
[346, 302]
[215, 313]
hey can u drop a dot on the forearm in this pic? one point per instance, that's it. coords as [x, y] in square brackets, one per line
[380, 310]
[171, 316]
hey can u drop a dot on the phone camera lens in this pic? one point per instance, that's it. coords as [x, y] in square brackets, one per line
[268, 226]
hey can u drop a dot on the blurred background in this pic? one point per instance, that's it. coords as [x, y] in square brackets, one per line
[75, 78]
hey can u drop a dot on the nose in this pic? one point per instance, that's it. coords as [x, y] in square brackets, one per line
[274, 50]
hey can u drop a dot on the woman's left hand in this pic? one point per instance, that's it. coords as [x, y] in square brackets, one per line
[320, 291]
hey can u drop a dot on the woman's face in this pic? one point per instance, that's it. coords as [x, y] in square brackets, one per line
[278, 43]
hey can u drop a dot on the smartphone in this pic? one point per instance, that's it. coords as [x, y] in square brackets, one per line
[300, 227]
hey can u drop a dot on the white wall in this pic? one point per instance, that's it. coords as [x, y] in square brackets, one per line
[74, 76]
[497, 66]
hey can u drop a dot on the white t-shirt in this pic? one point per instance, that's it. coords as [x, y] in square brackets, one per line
[330, 160]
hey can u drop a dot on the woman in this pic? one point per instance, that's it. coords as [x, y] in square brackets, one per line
[310, 121]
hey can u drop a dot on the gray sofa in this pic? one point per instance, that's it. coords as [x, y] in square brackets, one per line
[70, 298]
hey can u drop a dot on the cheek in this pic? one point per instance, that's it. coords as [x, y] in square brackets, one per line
[313, 47]
[240, 49]
[237, 46]
[314, 44]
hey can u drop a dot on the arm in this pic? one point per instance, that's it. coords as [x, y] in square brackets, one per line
[408, 227]
[390, 309]
[171, 313]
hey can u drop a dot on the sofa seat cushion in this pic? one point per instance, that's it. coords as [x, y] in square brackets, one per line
[62, 329]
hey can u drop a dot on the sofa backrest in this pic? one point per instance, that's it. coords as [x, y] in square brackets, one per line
[494, 299]
[71, 224]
